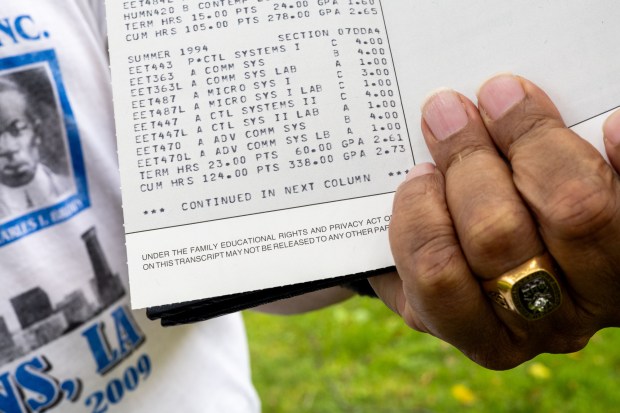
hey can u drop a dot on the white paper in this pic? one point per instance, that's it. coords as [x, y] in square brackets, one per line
[260, 142]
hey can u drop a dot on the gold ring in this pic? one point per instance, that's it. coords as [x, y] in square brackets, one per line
[530, 290]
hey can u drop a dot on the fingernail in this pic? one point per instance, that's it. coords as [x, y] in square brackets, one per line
[420, 170]
[500, 94]
[444, 114]
[611, 129]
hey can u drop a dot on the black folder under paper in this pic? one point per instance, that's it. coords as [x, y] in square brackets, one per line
[201, 310]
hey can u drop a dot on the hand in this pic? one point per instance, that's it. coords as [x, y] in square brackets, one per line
[510, 183]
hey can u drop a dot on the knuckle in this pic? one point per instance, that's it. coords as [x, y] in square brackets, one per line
[562, 334]
[420, 218]
[563, 341]
[493, 361]
[581, 207]
[571, 332]
[413, 229]
[510, 353]
[494, 229]
[415, 193]
[422, 196]
[413, 321]
[567, 344]
[437, 265]
[532, 126]
[500, 355]
[474, 147]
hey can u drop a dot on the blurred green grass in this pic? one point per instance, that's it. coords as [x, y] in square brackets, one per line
[358, 357]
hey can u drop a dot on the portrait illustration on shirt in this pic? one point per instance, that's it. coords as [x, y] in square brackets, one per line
[34, 171]
[42, 176]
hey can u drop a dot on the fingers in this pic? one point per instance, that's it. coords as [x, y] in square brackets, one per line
[443, 297]
[511, 182]
[571, 190]
[494, 227]
[611, 132]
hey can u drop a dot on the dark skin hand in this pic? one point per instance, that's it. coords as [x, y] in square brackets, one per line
[510, 182]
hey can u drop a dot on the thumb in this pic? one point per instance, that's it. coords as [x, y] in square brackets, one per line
[611, 133]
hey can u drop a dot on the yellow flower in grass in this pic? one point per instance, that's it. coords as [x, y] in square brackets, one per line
[463, 394]
[539, 371]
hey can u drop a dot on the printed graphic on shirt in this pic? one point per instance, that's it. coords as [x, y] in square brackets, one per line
[42, 177]
[68, 341]
[39, 384]
[41, 320]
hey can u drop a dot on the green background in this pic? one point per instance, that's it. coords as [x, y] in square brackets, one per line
[359, 357]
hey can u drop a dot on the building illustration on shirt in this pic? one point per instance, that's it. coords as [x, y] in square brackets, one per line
[43, 321]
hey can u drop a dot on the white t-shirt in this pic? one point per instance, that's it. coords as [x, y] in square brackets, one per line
[68, 341]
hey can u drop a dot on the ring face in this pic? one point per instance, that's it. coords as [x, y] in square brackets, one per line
[536, 295]
[530, 290]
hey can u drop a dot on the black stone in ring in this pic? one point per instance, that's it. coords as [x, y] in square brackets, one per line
[531, 289]
[536, 295]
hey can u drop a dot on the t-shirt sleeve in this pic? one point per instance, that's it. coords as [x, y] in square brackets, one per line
[94, 11]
